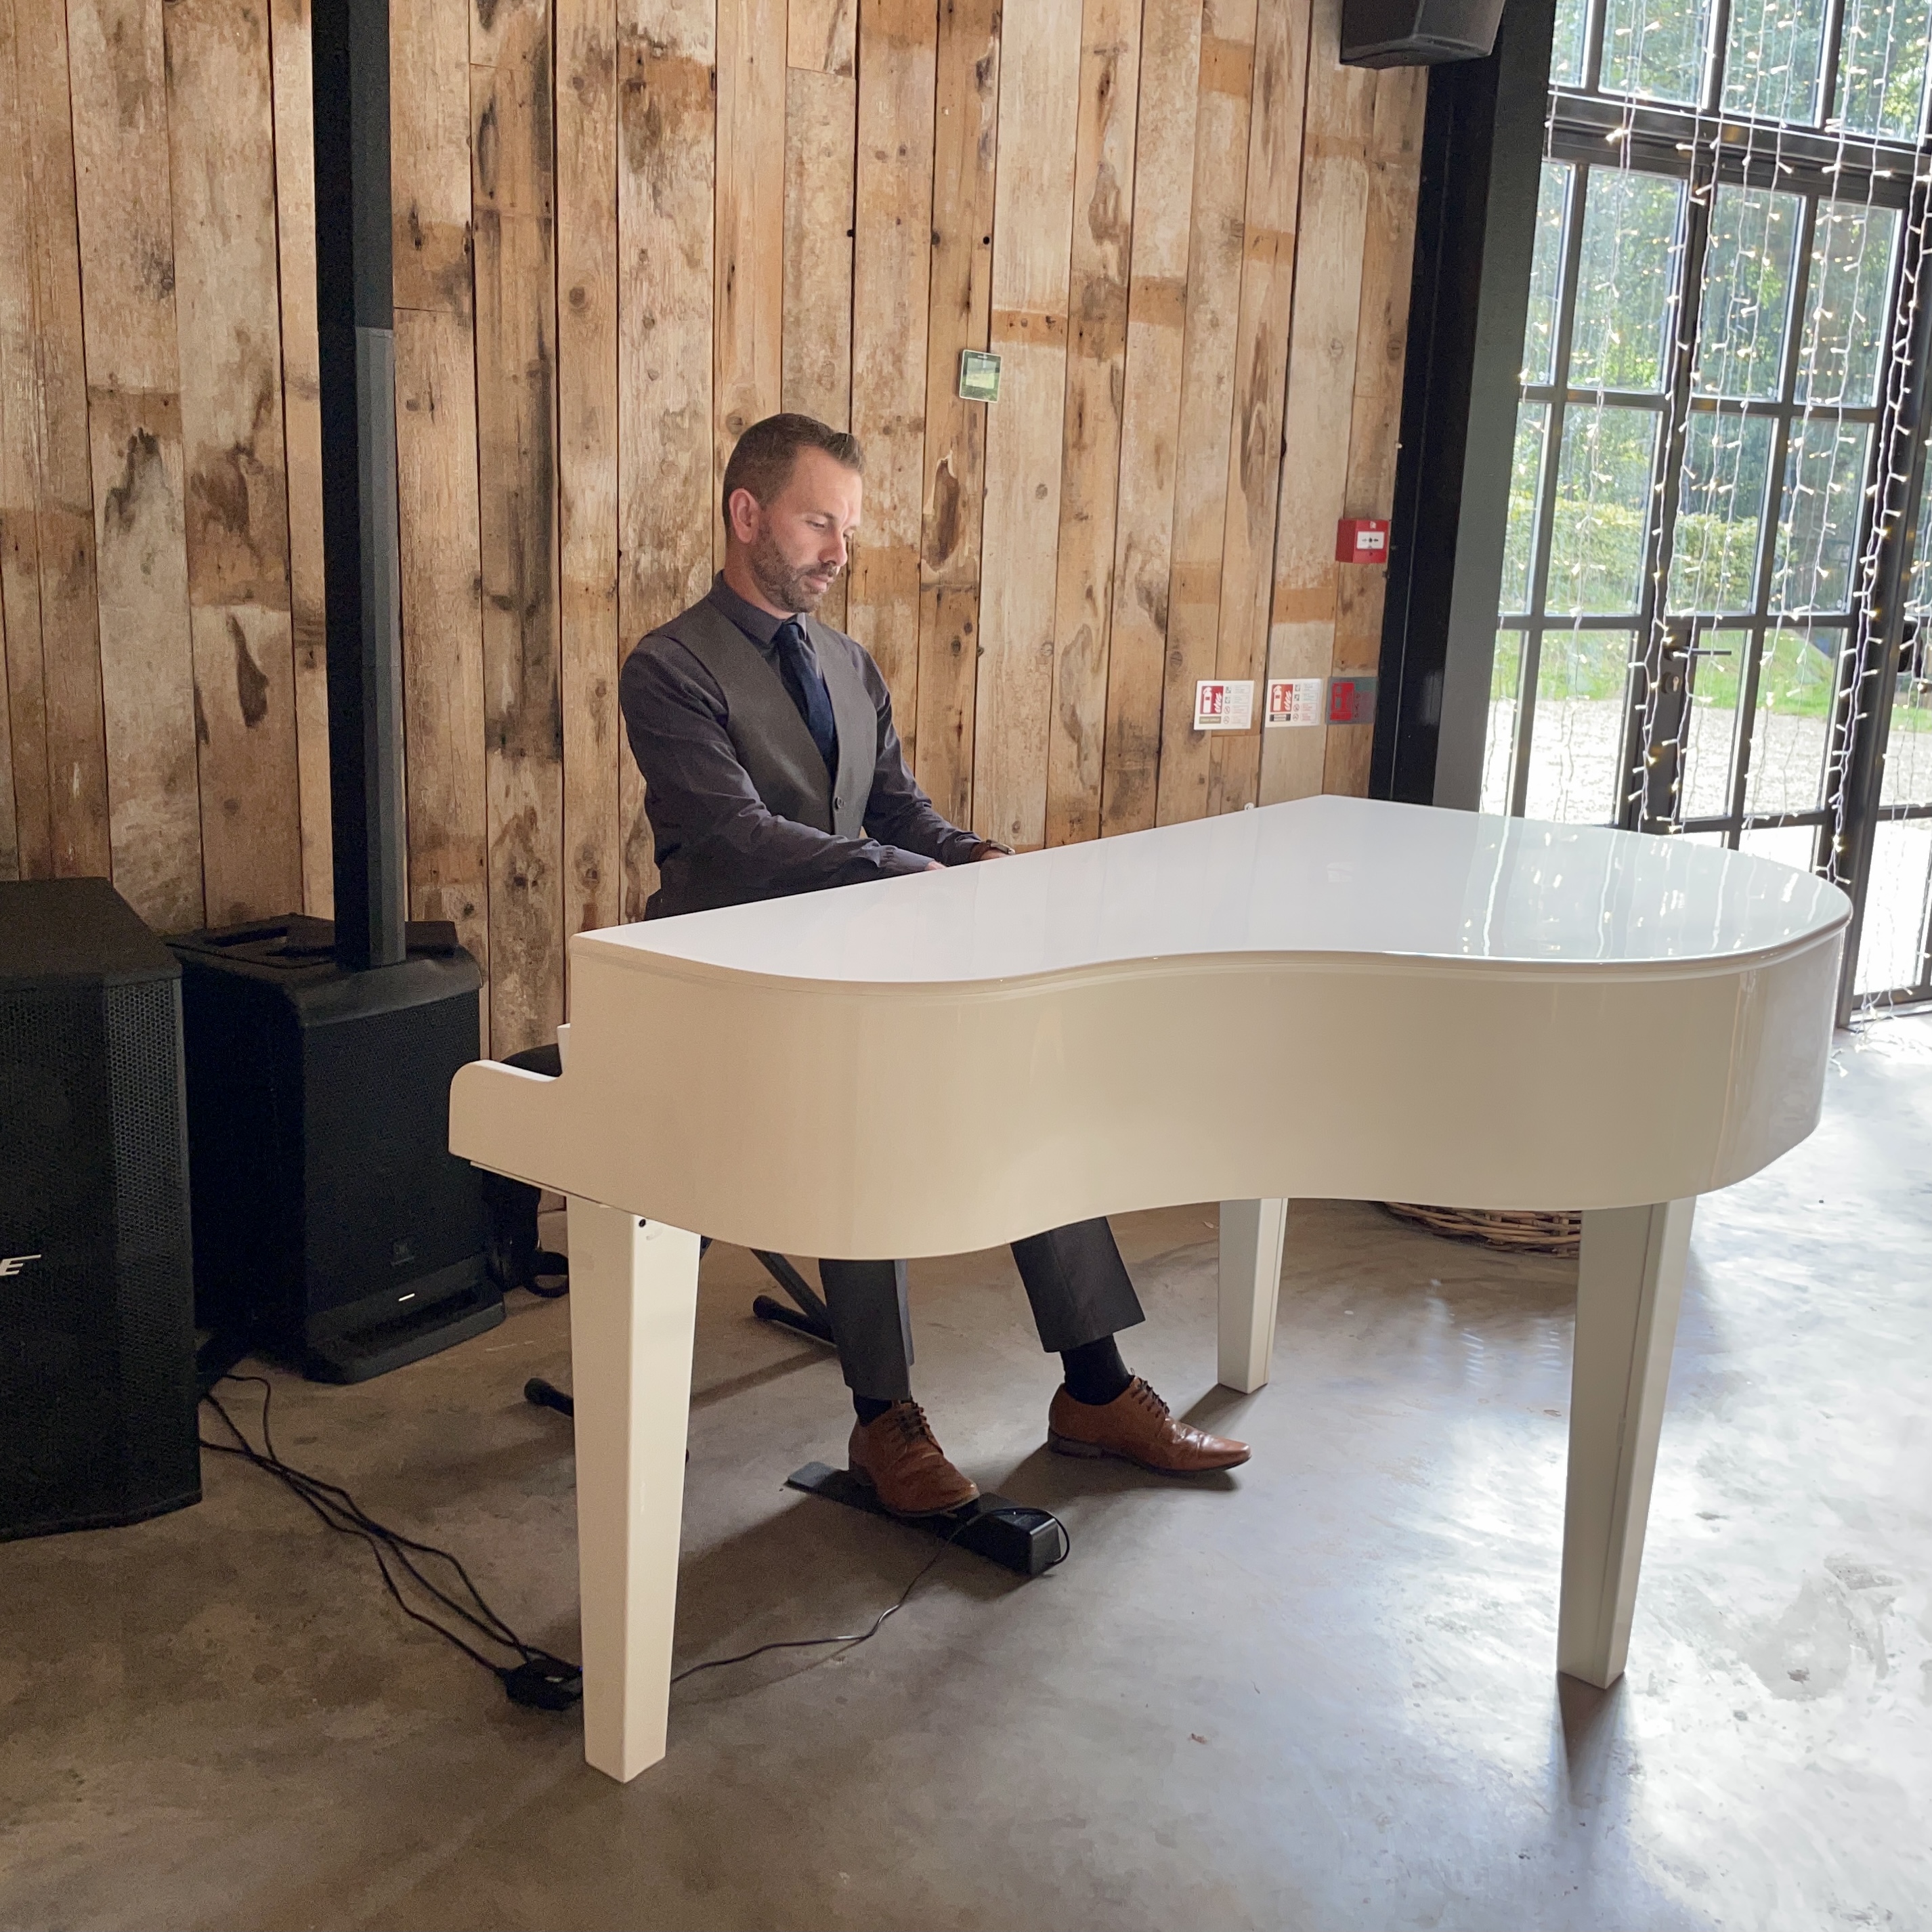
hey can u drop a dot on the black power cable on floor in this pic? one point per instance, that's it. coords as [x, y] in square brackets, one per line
[537, 1679]
[865, 1635]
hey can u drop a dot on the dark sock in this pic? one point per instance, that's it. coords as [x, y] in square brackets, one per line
[869, 1411]
[1095, 1373]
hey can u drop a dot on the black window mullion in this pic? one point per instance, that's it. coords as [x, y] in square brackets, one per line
[1773, 490]
[1868, 676]
[1593, 45]
[1665, 491]
[1530, 657]
[1713, 94]
[1828, 81]
[1850, 707]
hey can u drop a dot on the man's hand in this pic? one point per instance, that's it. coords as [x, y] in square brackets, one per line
[988, 850]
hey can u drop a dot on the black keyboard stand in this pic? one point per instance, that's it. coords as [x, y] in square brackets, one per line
[809, 1317]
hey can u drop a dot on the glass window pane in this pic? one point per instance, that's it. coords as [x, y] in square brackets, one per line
[1908, 751]
[1532, 422]
[1918, 585]
[1603, 490]
[1654, 48]
[1499, 738]
[1881, 68]
[1720, 512]
[1818, 525]
[1792, 722]
[1891, 956]
[1575, 750]
[1793, 845]
[1845, 310]
[1741, 322]
[1539, 332]
[1771, 63]
[1566, 49]
[1624, 280]
[1710, 727]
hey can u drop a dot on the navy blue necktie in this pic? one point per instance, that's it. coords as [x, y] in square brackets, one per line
[806, 683]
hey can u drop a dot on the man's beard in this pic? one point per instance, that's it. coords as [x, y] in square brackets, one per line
[783, 587]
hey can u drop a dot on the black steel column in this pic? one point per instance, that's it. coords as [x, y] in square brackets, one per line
[355, 315]
[1475, 233]
[1868, 687]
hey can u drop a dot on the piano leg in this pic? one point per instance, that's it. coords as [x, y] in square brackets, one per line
[1251, 1241]
[633, 1306]
[1630, 1282]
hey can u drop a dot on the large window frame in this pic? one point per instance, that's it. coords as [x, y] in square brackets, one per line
[1705, 148]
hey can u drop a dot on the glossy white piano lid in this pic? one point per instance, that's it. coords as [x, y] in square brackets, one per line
[1325, 875]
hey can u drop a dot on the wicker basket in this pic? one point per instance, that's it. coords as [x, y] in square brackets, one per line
[1527, 1230]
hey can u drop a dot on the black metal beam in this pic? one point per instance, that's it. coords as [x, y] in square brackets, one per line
[1870, 681]
[1475, 233]
[1742, 152]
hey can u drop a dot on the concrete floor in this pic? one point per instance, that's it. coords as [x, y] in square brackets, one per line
[1318, 1693]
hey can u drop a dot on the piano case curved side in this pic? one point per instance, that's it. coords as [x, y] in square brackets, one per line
[870, 1121]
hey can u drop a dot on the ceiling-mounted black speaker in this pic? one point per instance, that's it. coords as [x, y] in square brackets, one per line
[1417, 33]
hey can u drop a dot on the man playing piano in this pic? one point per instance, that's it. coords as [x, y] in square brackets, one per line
[771, 766]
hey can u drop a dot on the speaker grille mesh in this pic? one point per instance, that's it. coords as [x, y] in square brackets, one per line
[143, 1024]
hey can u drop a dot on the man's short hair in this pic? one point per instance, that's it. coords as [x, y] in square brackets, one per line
[762, 462]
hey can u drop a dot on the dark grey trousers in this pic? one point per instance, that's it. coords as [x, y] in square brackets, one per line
[1074, 1276]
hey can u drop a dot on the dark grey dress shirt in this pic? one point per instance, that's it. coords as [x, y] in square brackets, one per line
[699, 797]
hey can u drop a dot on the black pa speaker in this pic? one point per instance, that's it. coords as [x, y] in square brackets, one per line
[332, 1226]
[1417, 33]
[97, 1295]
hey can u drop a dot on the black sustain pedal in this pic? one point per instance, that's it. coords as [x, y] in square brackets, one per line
[1014, 1535]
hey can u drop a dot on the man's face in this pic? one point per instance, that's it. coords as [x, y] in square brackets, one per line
[796, 545]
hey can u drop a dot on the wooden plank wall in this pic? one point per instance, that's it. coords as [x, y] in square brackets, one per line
[624, 229]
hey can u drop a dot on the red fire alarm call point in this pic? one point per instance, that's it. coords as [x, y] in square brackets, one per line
[1362, 540]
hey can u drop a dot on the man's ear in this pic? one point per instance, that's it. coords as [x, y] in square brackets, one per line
[742, 499]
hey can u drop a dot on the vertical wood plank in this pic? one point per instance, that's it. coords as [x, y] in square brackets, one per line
[959, 306]
[1261, 375]
[26, 810]
[1215, 248]
[890, 275]
[821, 112]
[1321, 382]
[513, 194]
[1096, 351]
[117, 76]
[666, 52]
[821, 130]
[57, 793]
[586, 323]
[1032, 223]
[25, 819]
[221, 144]
[823, 36]
[436, 471]
[1395, 156]
[1150, 410]
[748, 306]
[301, 437]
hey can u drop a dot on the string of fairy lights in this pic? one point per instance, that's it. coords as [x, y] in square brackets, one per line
[1777, 389]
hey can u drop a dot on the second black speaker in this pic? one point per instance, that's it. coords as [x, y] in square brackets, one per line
[332, 1226]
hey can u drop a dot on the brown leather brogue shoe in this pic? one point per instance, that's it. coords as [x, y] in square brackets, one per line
[896, 1453]
[1137, 1426]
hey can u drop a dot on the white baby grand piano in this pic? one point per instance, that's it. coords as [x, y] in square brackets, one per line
[1330, 998]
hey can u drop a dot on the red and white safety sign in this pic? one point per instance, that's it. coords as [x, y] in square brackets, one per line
[1224, 704]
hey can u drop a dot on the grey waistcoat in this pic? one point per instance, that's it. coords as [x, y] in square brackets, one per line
[773, 745]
